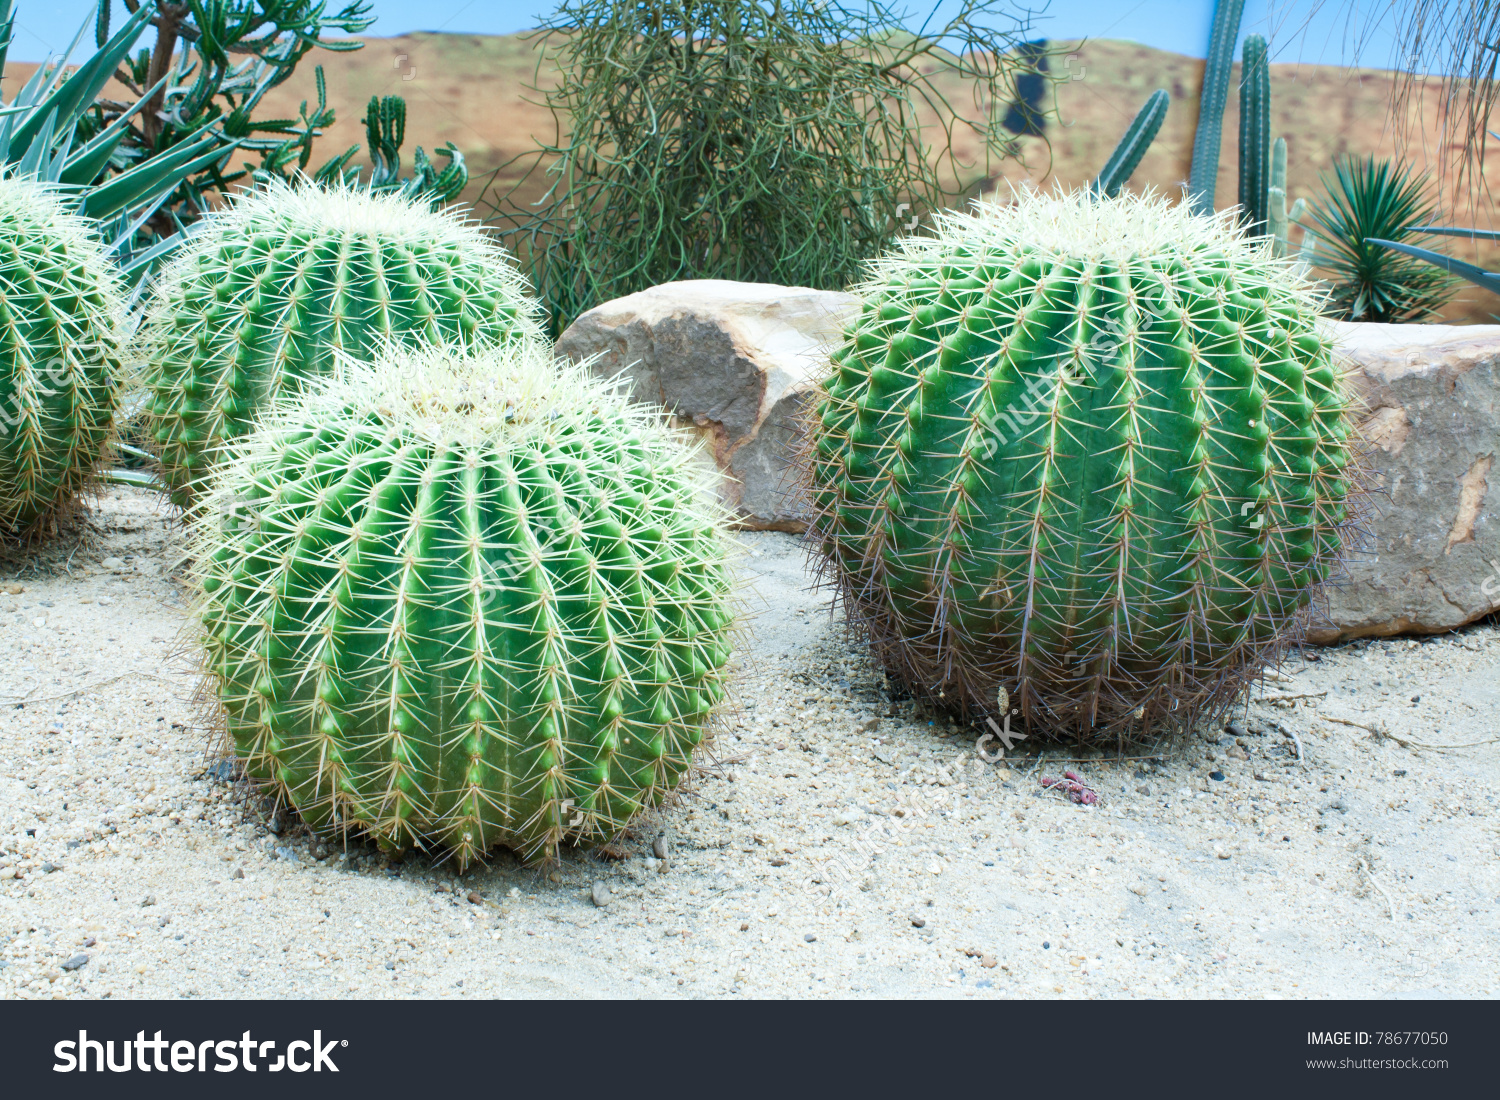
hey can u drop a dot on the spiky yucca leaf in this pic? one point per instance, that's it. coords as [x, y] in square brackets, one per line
[273, 287]
[460, 599]
[60, 317]
[1088, 451]
[1369, 202]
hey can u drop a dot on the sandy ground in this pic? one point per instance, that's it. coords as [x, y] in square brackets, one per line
[845, 845]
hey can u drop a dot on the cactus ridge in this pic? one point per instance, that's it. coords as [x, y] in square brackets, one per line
[1089, 451]
[457, 599]
[60, 325]
[287, 277]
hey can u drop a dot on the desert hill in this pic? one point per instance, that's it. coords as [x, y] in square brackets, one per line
[473, 90]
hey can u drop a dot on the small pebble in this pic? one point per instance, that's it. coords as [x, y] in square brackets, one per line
[1216, 776]
[659, 846]
[475, 898]
[918, 922]
[600, 894]
[76, 961]
[810, 938]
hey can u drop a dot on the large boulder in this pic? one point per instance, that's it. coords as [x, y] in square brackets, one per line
[733, 362]
[1431, 422]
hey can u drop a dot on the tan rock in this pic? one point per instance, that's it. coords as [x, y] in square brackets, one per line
[733, 362]
[1431, 422]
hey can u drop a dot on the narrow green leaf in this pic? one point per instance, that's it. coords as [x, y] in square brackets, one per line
[1489, 280]
[140, 479]
[160, 172]
[76, 94]
[1448, 231]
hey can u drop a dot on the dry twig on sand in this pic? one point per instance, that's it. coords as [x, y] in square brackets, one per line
[1382, 731]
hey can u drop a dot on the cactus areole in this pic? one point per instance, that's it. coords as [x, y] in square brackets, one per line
[458, 600]
[1090, 452]
[272, 288]
[60, 314]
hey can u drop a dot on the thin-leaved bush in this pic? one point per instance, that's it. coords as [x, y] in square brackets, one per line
[772, 142]
[1369, 198]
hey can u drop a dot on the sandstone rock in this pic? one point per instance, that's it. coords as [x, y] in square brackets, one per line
[733, 362]
[1432, 423]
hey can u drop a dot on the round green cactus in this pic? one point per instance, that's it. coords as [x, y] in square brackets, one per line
[1088, 453]
[278, 284]
[60, 315]
[461, 599]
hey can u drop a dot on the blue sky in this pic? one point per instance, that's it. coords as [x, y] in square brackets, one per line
[1314, 31]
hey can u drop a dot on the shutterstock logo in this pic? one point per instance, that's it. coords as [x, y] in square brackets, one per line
[160, 1055]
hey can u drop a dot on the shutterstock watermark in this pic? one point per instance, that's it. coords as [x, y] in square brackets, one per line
[243, 514]
[1490, 586]
[158, 1055]
[934, 796]
[55, 373]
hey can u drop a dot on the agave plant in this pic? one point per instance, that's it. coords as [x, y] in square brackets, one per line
[145, 169]
[41, 138]
[1371, 202]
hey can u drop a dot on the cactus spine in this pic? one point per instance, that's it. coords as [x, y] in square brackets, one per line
[60, 315]
[1088, 451]
[266, 295]
[1204, 176]
[1138, 137]
[1255, 135]
[462, 600]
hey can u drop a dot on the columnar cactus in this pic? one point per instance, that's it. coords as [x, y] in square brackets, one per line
[1217, 70]
[457, 599]
[1255, 135]
[1088, 451]
[273, 287]
[60, 315]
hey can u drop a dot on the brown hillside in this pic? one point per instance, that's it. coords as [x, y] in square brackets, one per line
[472, 90]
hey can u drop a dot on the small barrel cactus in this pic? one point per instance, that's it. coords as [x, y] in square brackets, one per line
[458, 599]
[1089, 452]
[60, 317]
[275, 286]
